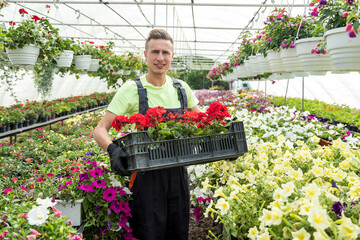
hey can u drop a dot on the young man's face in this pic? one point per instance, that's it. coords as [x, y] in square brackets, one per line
[159, 55]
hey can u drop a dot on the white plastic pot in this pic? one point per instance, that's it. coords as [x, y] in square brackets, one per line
[247, 68]
[275, 62]
[264, 66]
[94, 65]
[254, 65]
[27, 55]
[316, 64]
[82, 62]
[290, 60]
[65, 59]
[70, 210]
[343, 50]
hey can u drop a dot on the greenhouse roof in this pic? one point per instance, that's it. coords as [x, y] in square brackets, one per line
[203, 28]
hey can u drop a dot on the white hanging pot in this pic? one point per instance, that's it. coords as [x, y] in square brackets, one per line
[264, 66]
[275, 62]
[24, 56]
[248, 69]
[65, 59]
[70, 210]
[82, 62]
[94, 65]
[343, 50]
[290, 60]
[254, 65]
[127, 72]
[316, 64]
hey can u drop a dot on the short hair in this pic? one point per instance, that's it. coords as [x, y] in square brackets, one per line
[158, 34]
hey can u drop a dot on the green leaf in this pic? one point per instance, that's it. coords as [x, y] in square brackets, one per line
[326, 13]
[356, 26]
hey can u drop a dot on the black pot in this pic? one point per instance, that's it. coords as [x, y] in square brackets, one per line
[82, 109]
[7, 127]
[43, 119]
[66, 113]
[2, 129]
[26, 123]
[13, 126]
[73, 110]
[32, 121]
[20, 124]
[48, 118]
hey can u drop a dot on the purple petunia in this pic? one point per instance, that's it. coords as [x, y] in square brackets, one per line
[338, 208]
[83, 177]
[96, 172]
[109, 194]
[87, 188]
[115, 206]
[97, 208]
[99, 183]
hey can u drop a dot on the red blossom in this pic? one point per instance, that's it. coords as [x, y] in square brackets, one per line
[140, 121]
[119, 122]
[36, 18]
[11, 23]
[155, 115]
[22, 11]
[217, 111]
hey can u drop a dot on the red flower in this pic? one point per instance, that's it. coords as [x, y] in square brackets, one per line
[102, 47]
[111, 70]
[119, 122]
[36, 18]
[217, 111]
[91, 42]
[47, 6]
[155, 115]
[22, 11]
[12, 23]
[140, 121]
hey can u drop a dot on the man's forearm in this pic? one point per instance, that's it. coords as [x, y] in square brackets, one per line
[102, 137]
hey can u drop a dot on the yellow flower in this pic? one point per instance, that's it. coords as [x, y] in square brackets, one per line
[352, 178]
[318, 218]
[321, 235]
[276, 215]
[223, 206]
[312, 191]
[264, 236]
[266, 217]
[205, 185]
[347, 229]
[288, 188]
[296, 174]
[345, 165]
[317, 171]
[302, 234]
[281, 139]
[219, 193]
[253, 232]
[339, 175]
[315, 139]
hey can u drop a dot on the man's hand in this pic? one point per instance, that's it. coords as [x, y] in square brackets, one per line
[117, 159]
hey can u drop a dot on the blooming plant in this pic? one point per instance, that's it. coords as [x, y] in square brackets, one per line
[337, 13]
[173, 126]
[27, 220]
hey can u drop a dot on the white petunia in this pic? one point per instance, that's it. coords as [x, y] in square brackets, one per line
[264, 236]
[205, 184]
[288, 188]
[45, 202]
[253, 232]
[276, 215]
[312, 192]
[321, 235]
[317, 171]
[302, 234]
[266, 217]
[315, 139]
[347, 229]
[339, 175]
[318, 218]
[223, 206]
[38, 215]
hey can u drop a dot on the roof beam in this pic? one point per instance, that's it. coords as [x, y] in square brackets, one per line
[158, 3]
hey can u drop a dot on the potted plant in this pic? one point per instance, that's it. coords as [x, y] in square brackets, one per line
[30, 117]
[65, 58]
[341, 21]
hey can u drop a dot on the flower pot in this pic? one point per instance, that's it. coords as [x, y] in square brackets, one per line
[343, 50]
[290, 60]
[43, 119]
[94, 65]
[264, 66]
[13, 126]
[52, 116]
[314, 63]
[255, 68]
[247, 68]
[275, 62]
[24, 56]
[32, 121]
[26, 123]
[82, 62]
[127, 72]
[324, 142]
[20, 125]
[65, 59]
[70, 210]
[2, 129]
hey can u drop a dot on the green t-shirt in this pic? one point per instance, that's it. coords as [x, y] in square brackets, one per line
[126, 100]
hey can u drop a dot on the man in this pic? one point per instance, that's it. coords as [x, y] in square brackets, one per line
[160, 205]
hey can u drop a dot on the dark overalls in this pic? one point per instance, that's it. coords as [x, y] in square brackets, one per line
[161, 198]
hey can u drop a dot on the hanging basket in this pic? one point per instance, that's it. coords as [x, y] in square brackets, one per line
[263, 64]
[290, 59]
[275, 62]
[94, 65]
[65, 59]
[71, 210]
[24, 56]
[343, 50]
[82, 62]
[314, 63]
[254, 65]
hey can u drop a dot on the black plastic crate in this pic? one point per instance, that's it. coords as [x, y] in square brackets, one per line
[145, 154]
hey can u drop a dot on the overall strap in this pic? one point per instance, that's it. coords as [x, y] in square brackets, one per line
[143, 100]
[181, 94]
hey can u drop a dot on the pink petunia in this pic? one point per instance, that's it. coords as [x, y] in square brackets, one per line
[109, 194]
[7, 190]
[31, 237]
[35, 232]
[87, 188]
[96, 172]
[99, 183]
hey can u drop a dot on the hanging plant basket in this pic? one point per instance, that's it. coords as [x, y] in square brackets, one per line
[71, 210]
[24, 56]
[263, 64]
[275, 62]
[290, 59]
[65, 59]
[343, 50]
[254, 65]
[316, 64]
[82, 62]
[94, 65]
